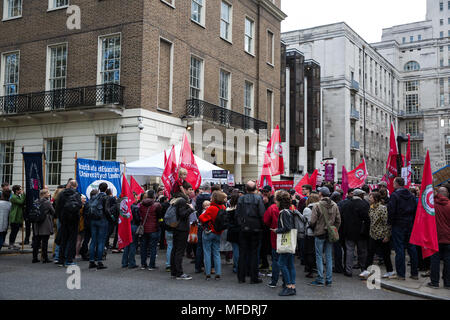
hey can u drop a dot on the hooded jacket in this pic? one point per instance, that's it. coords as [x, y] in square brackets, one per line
[355, 219]
[271, 220]
[317, 221]
[442, 207]
[154, 214]
[71, 218]
[183, 212]
[401, 208]
[17, 208]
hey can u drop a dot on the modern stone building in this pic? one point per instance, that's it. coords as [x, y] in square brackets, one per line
[133, 78]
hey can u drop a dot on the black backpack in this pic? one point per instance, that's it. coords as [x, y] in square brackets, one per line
[96, 207]
[36, 215]
[250, 220]
[222, 221]
[73, 203]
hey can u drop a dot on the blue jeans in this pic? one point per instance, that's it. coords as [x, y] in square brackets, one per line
[320, 245]
[286, 264]
[149, 240]
[128, 257]
[169, 240]
[99, 228]
[58, 226]
[400, 240]
[199, 253]
[2, 239]
[444, 254]
[211, 249]
[275, 266]
[235, 256]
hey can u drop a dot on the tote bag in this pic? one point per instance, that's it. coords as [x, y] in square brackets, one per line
[287, 242]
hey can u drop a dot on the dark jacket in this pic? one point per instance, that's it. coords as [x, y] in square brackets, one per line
[135, 212]
[202, 197]
[285, 221]
[71, 218]
[402, 209]
[302, 204]
[317, 221]
[250, 212]
[154, 214]
[234, 229]
[442, 208]
[355, 219]
[46, 227]
[183, 213]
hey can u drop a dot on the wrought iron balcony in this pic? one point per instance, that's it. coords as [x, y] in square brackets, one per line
[354, 86]
[354, 114]
[414, 136]
[410, 114]
[201, 109]
[354, 145]
[62, 99]
[417, 159]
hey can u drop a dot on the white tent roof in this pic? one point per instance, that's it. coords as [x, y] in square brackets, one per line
[154, 166]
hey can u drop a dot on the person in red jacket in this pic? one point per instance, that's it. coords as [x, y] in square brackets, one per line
[211, 237]
[271, 220]
[442, 208]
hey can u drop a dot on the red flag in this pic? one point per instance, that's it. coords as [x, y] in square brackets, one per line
[391, 165]
[170, 175]
[408, 163]
[424, 232]
[124, 224]
[187, 161]
[344, 185]
[165, 158]
[357, 177]
[313, 179]
[275, 151]
[266, 176]
[301, 183]
[135, 187]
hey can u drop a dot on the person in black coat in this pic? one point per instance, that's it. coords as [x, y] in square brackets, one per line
[355, 230]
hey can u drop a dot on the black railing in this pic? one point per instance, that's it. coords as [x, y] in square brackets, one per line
[62, 99]
[202, 109]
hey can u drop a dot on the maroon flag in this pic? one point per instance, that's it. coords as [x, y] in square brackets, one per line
[124, 224]
[344, 185]
[357, 177]
[424, 232]
[391, 165]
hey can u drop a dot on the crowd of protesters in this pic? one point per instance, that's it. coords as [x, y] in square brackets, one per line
[240, 227]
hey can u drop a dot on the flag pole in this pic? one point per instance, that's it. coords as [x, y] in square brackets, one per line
[43, 169]
[23, 187]
[75, 165]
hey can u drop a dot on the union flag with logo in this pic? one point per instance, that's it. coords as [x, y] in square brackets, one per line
[275, 152]
[391, 165]
[424, 233]
[357, 177]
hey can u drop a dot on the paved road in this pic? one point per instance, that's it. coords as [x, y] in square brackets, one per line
[20, 279]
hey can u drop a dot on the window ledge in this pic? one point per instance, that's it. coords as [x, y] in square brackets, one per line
[164, 110]
[226, 40]
[271, 64]
[56, 9]
[197, 23]
[168, 4]
[12, 18]
[249, 53]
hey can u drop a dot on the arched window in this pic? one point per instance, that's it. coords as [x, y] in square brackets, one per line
[412, 66]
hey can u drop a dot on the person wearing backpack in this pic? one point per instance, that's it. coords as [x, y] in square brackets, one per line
[325, 215]
[99, 210]
[68, 210]
[149, 214]
[249, 213]
[43, 229]
[212, 229]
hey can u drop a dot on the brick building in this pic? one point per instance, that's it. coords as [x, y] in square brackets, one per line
[163, 65]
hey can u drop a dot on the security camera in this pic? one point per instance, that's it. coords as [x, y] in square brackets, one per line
[141, 126]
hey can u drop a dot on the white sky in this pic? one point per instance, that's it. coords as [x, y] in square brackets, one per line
[365, 17]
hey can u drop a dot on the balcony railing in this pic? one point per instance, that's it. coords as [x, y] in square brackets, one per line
[415, 136]
[62, 99]
[410, 114]
[417, 159]
[354, 114]
[354, 86]
[202, 109]
[354, 145]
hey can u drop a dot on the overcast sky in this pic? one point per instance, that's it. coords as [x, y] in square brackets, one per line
[365, 17]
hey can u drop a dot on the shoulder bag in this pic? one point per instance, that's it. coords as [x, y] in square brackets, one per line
[286, 242]
[140, 228]
[333, 234]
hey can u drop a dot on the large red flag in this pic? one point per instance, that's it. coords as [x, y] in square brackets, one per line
[187, 161]
[275, 151]
[301, 183]
[391, 165]
[135, 187]
[408, 162]
[344, 185]
[313, 179]
[165, 158]
[424, 232]
[170, 175]
[357, 177]
[266, 176]
[124, 224]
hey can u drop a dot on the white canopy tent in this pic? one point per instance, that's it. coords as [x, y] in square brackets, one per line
[154, 167]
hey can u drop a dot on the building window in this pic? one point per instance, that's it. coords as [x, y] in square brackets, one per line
[441, 62]
[248, 99]
[441, 6]
[110, 59]
[412, 127]
[196, 78]
[403, 40]
[441, 49]
[412, 85]
[419, 37]
[54, 161]
[441, 22]
[448, 33]
[412, 103]
[270, 47]
[165, 73]
[447, 154]
[56, 4]
[441, 34]
[411, 39]
[442, 100]
[10, 81]
[249, 35]
[6, 161]
[12, 9]
[197, 11]
[417, 174]
[448, 22]
[224, 89]
[57, 68]
[412, 66]
[107, 148]
[225, 21]
[448, 5]
[269, 109]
